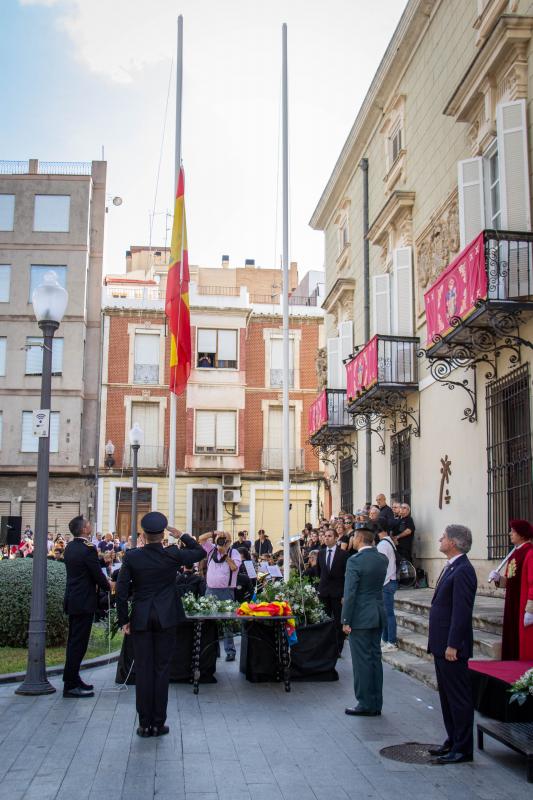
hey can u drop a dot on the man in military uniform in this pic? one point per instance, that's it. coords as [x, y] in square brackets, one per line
[156, 610]
[84, 575]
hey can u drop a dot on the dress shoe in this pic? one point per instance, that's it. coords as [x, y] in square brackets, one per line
[87, 686]
[455, 758]
[361, 712]
[443, 750]
[230, 657]
[160, 730]
[144, 732]
[77, 691]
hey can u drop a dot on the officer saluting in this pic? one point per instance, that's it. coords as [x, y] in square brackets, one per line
[84, 575]
[156, 610]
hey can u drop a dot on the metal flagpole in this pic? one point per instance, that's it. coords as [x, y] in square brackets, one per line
[177, 157]
[286, 418]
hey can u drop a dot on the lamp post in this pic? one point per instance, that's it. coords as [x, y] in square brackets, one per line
[49, 305]
[136, 437]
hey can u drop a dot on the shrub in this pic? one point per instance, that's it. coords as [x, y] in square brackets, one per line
[15, 599]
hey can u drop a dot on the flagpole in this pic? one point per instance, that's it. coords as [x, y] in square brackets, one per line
[286, 417]
[177, 159]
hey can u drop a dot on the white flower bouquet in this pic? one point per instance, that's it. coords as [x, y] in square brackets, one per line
[522, 688]
[204, 606]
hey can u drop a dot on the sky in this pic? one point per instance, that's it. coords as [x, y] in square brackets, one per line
[86, 76]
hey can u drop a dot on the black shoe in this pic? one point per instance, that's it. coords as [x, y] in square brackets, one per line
[160, 730]
[77, 691]
[439, 751]
[230, 657]
[144, 732]
[361, 712]
[87, 686]
[454, 758]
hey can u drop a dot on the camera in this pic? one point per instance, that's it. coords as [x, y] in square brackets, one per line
[220, 541]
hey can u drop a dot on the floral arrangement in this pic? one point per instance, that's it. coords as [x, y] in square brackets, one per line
[272, 609]
[522, 688]
[198, 606]
[301, 595]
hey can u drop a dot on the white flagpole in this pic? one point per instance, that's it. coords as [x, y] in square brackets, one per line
[286, 417]
[177, 157]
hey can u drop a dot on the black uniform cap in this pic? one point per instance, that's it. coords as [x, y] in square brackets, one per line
[154, 522]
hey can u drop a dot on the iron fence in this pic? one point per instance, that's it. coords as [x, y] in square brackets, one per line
[509, 264]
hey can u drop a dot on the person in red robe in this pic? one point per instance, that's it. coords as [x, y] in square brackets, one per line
[526, 609]
[521, 536]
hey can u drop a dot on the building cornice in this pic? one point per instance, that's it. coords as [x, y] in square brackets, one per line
[341, 287]
[399, 205]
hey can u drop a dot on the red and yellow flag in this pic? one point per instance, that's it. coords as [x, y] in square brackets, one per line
[177, 297]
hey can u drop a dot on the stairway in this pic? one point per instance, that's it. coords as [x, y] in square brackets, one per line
[412, 615]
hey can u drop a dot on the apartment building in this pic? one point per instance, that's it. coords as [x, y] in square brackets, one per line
[51, 218]
[229, 435]
[428, 394]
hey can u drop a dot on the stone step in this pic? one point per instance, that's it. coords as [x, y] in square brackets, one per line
[485, 642]
[487, 616]
[417, 643]
[418, 668]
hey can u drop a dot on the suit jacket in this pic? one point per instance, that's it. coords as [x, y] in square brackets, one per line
[363, 590]
[450, 616]
[151, 571]
[386, 518]
[332, 580]
[84, 574]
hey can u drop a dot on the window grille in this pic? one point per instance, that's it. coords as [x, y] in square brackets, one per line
[400, 463]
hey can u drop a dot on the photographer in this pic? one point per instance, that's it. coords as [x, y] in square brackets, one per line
[223, 562]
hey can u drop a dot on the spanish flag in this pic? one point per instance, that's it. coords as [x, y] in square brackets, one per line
[177, 297]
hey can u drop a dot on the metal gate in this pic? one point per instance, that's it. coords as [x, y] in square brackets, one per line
[346, 471]
[510, 489]
[400, 466]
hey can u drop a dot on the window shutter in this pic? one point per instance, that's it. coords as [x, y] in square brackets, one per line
[276, 353]
[207, 341]
[29, 442]
[34, 355]
[147, 348]
[1, 427]
[54, 432]
[226, 428]
[471, 199]
[5, 276]
[205, 431]
[3, 348]
[334, 376]
[511, 125]
[227, 345]
[402, 294]
[381, 303]
[57, 356]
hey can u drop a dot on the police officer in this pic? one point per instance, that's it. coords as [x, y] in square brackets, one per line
[84, 575]
[156, 610]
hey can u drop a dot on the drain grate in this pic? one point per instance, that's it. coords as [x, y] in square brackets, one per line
[409, 753]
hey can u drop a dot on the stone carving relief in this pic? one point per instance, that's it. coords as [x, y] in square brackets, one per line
[322, 368]
[436, 247]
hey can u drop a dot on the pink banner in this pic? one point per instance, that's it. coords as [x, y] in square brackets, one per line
[362, 371]
[318, 414]
[456, 291]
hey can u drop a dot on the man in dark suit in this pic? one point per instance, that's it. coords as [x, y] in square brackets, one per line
[84, 576]
[363, 616]
[451, 643]
[331, 569]
[156, 610]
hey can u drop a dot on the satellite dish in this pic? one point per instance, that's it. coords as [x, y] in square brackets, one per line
[117, 201]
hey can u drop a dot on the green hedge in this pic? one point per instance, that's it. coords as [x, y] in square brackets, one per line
[15, 597]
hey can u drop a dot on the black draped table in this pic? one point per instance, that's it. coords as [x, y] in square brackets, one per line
[491, 682]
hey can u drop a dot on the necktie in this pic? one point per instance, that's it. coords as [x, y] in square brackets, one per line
[329, 559]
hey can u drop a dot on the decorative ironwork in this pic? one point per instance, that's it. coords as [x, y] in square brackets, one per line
[441, 369]
[331, 447]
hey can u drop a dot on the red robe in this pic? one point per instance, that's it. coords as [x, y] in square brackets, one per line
[513, 618]
[526, 596]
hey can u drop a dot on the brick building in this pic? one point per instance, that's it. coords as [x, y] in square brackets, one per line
[229, 432]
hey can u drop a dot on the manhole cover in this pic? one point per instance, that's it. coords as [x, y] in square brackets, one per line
[409, 752]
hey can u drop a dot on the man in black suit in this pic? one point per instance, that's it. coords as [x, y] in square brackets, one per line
[331, 569]
[84, 576]
[451, 643]
[386, 515]
[156, 610]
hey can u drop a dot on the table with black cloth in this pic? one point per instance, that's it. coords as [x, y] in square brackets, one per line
[491, 682]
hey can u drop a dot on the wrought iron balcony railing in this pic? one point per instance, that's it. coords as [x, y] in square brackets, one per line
[328, 413]
[385, 366]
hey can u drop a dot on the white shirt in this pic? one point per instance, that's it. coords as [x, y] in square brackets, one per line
[386, 547]
[454, 558]
[328, 557]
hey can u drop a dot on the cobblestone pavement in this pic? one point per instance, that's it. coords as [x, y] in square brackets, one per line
[238, 741]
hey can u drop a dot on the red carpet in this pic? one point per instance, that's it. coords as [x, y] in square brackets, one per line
[507, 671]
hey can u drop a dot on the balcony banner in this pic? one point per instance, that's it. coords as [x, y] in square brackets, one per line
[362, 371]
[454, 295]
[318, 414]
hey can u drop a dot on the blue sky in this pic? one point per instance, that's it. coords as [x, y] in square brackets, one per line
[79, 74]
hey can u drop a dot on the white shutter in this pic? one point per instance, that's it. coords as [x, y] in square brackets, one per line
[471, 199]
[227, 346]
[205, 431]
[147, 348]
[511, 125]
[5, 278]
[381, 303]
[207, 341]
[54, 432]
[3, 350]
[402, 292]
[334, 376]
[29, 442]
[346, 339]
[226, 429]
[275, 438]
[276, 353]
[1, 427]
[34, 355]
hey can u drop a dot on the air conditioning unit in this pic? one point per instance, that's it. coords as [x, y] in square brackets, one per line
[231, 481]
[232, 495]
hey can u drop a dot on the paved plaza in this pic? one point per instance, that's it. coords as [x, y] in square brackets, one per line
[238, 741]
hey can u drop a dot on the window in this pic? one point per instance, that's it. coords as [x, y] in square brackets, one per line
[29, 442]
[146, 358]
[346, 473]
[151, 453]
[51, 213]
[217, 349]
[216, 432]
[7, 211]
[38, 271]
[395, 144]
[276, 362]
[393, 296]
[34, 355]
[400, 467]
[492, 185]
[339, 349]
[3, 348]
[5, 281]
[273, 455]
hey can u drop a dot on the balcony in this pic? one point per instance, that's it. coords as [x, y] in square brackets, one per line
[381, 374]
[149, 457]
[272, 459]
[328, 417]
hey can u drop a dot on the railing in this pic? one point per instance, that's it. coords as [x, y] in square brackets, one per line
[149, 457]
[14, 167]
[273, 459]
[221, 291]
[298, 300]
[276, 299]
[273, 299]
[46, 168]
[390, 361]
[329, 409]
[276, 378]
[134, 293]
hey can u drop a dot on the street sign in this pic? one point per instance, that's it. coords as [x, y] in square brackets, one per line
[41, 423]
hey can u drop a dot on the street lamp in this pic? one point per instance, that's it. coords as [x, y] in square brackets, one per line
[136, 436]
[49, 305]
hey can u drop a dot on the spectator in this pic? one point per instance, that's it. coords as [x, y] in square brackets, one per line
[388, 548]
[331, 568]
[311, 570]
[262, 545]
[386, 517]
[243, 541]
[28, 533]
[106, 544]
[223, 562]
[50, 543]
[405, 533]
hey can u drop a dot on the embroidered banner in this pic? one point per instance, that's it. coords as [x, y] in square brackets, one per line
[362, 371]
[318, 414]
